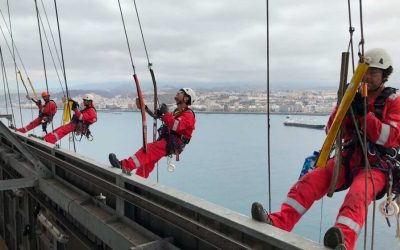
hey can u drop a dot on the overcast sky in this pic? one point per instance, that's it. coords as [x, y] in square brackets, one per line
[193, 43]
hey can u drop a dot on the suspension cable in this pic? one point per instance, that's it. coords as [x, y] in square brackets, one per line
[63, 64]
[5, 79]
[15, 64]
[268, 114]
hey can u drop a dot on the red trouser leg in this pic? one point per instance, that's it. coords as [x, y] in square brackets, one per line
[145, 161]
[311, 187]
[33, 124]
[59, 133]
[352, 214]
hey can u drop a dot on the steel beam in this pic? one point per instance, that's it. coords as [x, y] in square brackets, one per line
[17, 183]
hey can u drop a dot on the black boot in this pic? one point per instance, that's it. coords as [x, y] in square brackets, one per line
[334, 239]
[258, 213]
[114, 160]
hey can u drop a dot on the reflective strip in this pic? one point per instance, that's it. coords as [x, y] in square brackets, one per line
[136, 161]
[349, 223]
[56, 135]
[384, 136]
[81, 117]
[176, 124]
[296, 205]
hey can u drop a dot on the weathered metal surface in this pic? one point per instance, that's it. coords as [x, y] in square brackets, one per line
[136, 214]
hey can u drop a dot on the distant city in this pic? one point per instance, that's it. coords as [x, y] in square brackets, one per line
[222, 101]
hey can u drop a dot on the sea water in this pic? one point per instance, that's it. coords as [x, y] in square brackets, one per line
[226, 163]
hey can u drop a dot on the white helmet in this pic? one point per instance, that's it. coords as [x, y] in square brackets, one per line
[191, 94]
[88, 97]
[378, 58]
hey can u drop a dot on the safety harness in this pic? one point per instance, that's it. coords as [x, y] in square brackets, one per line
[82, 127]
[384, 154]
[175, 142]
[46, 119]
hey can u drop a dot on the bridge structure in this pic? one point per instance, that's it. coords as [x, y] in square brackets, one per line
[52, 198]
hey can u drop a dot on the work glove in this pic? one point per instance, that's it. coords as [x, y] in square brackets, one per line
[28, 97]
[74, 104]
[38, 102]
[159, 113]
[358, 105]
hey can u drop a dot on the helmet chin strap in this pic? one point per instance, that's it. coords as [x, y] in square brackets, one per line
[376, 88]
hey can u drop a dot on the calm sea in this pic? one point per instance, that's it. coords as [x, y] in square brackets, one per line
[226, 163]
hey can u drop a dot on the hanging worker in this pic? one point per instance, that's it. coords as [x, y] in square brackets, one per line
[383, 134]
[79, 123]
[175, 132]
[46, 113]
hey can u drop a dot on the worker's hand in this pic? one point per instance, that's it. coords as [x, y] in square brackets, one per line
[64, 99]
[28, 97]
[74, 105]
[159, 113]
[358, 105]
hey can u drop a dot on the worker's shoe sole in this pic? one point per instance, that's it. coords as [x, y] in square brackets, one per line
[114, 160]
[258, 213]
[334, 239]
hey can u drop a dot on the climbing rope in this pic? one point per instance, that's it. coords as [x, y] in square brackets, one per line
[268, 114]
[63, 63]
[153, 78]
[140, 96]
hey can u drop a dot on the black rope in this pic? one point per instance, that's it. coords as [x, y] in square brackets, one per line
[51, 33]
[63, 63]
[351, 31]
[41, 47]
[155, 100]
[141, 32]
[268, 114]
[51, 54]
[126, 36]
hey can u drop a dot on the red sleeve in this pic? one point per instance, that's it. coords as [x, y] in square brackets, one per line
[87, 115]
[182, 125]
[387, 131]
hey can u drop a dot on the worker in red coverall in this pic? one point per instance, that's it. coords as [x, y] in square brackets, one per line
[79, 123]
[382, 134]
[46, 113]
[175, 133]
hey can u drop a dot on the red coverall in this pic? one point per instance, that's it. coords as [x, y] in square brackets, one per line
[182, 124]
[87, 115]
[48, 110]
[314, 185]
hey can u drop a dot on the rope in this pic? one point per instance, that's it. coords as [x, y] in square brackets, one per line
[51, 33]
[268, 113]
[155, 100]
[41, 47]
[63, 63]
[126, 36]
[51, 54]
[351, 31]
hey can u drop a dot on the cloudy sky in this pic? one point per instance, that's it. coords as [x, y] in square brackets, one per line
[199, 43]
